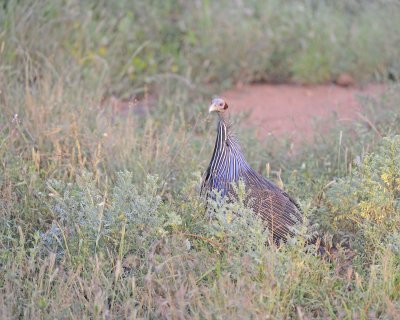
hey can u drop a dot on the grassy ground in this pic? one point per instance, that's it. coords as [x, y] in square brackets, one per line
[100, 214]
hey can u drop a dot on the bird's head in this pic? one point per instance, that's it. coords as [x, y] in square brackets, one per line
[218, 105]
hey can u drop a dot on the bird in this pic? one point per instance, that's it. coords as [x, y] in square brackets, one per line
[279, 211]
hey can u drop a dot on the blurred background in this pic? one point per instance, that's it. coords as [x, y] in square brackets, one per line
[104, 135]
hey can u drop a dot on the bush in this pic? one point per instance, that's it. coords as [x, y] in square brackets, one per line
[367, 202]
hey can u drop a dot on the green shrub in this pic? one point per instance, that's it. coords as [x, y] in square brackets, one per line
[87, 220]
[367, 202]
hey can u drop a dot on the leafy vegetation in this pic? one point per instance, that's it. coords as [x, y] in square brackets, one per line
[99, 209]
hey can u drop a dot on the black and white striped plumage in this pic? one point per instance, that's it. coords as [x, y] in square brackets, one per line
[279, 211]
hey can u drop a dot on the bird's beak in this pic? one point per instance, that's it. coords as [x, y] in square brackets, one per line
[213, 107]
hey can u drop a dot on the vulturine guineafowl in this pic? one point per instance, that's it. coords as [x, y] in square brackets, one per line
[228, 165]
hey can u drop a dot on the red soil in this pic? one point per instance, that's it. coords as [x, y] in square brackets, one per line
[290, 109]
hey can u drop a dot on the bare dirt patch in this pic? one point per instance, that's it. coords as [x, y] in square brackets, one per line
[290, 109]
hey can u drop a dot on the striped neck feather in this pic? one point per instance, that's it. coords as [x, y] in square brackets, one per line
[227, 163]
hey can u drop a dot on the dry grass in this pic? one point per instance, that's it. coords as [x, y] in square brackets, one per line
[86, 228]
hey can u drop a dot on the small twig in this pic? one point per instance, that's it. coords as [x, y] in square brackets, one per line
[213, 243]
[370, 124]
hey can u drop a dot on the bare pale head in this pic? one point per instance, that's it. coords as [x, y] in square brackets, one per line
[218, 105]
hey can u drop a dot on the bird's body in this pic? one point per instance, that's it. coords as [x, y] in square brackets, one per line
[228, 165]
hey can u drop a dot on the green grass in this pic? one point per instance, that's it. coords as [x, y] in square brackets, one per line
[132, 45]
[99, 212]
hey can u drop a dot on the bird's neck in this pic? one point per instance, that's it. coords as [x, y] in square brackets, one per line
[223, 117]
[223, 131]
